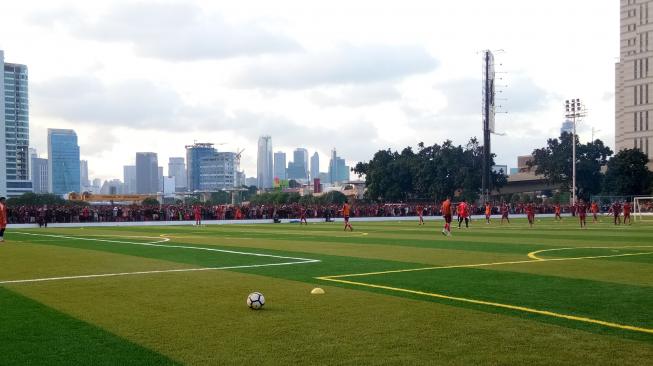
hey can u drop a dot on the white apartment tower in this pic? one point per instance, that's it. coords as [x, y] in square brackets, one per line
[634, 78]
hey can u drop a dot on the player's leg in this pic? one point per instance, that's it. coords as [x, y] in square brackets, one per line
[2, 234]
[467, 222]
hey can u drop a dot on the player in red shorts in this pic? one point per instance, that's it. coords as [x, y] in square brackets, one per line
[504, 213]
[488, 212]
[557, 211]
[420, 213]
[302, 216]
[627, 212]
[446, 213]
[616, 212]
[581, 211]
[595, 211]
[197, 212]
[345, 215]
[530, 214]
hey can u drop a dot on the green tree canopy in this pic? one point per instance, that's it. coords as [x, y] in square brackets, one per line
[628, 174]
[435, 171]
[554, 162]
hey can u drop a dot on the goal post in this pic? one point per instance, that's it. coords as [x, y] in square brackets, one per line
[643, 208]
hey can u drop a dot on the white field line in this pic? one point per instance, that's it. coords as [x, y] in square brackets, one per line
[155, 244]
[149, 272]
[295, 260]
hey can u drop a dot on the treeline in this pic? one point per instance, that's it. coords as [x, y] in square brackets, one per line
[280, 198]
[433, 172]
[626, 173]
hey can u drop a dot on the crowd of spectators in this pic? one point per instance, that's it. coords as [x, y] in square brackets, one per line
[135, 213]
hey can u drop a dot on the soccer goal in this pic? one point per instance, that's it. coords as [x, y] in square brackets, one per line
[643, 208]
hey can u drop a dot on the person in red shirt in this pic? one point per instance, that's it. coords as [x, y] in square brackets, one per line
[581, 211]
[3, 218]
[345, 215]
[557, 211]
[616, 212]
[488, 212]
[627, 212]
[463, 212]
[504, 213]
[197, 212]
[595, 211]
[530, 214]
[420, 213]
[446, 213]
[302, 216]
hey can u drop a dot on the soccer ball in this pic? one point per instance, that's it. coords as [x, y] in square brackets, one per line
[255, 300]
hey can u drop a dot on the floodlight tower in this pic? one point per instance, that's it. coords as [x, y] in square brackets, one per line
[574, 109]
[488, 121]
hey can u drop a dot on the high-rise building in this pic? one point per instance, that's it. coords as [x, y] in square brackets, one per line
[63, 161]
[567, 126]
[177, 170]
[194, 154]
[280, 165]
[147, 172]
[114, 186]
[634, 79]
[338, 169]
[83, 175]
[39, 168]
[298, 168]
[264, 164]
[159, 179]
[14, 124]
[218, 171]
[315, 166]
[129, 178]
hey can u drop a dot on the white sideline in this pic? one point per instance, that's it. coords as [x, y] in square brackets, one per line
[296, 260]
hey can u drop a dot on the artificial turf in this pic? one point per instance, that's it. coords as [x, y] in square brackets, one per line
[200, 317]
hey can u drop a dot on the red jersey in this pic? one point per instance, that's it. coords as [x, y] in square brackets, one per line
[530, 210]
[595, 207]
[3, 216]
[345, 210]
[626, 208]
[581, 209]
[420, 210]
[446, 208]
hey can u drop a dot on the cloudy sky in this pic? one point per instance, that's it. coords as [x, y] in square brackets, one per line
[358, 75]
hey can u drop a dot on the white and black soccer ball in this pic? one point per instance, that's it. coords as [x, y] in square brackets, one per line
[255, 300]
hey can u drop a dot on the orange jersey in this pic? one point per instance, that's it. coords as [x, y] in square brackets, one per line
[446, 207]
[595, 208]
[345, 210]
[557, 209]
[488, 209]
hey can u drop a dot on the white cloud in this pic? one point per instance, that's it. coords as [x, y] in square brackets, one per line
[346, 64]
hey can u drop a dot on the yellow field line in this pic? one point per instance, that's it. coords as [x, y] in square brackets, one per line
[498, 305]
[533, 255]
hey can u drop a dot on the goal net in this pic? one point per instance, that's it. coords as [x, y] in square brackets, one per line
[643, 208]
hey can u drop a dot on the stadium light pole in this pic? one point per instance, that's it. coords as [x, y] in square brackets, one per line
[574, 109]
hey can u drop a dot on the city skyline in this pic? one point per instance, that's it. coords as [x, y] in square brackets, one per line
[133, 93]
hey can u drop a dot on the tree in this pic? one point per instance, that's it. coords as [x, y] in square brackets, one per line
[150, 201]
[434, 171]
[628, 174]
[554, 162]
[36, 199]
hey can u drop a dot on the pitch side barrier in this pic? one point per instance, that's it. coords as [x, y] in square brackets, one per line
[265, 221]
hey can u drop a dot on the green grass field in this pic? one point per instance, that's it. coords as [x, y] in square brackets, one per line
[396, 293]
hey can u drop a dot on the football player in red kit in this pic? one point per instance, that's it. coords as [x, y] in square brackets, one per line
[504, 213]
[530, 214]
[420, 213]
[627, 212]
[581, 211]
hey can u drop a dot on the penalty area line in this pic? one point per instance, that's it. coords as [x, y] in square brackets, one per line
[156, 244]
[47, 279]
[497, 305]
